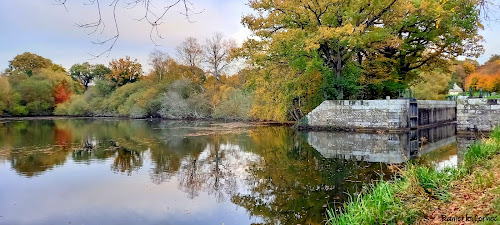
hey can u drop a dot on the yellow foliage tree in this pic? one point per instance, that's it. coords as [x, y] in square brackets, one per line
[433, 85]
[124, 71]
[5, 94]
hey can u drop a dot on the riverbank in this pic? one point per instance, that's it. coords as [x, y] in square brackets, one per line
[53, 117]
[421, 195]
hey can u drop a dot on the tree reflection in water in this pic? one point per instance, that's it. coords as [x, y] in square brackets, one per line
[218, 175]
[190, 179]
[126, 161]
[293, 183]
[212, 170]
[270, 171]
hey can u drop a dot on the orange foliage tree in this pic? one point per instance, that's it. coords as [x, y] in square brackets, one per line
[486, 77]
[62, 92]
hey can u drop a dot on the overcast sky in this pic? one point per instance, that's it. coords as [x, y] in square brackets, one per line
[40, 27]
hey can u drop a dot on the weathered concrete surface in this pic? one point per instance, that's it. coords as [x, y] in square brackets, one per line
[431, 112]
[390, 114]
[477, 114]
[381, 114]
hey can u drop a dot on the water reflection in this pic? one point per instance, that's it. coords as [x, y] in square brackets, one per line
[382, 147]
[189, 172]
[293, 184]
[126, 161]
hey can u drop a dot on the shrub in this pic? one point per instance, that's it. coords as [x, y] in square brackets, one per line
[236, 106]
[183, 100]
[62, 109]
[79, 107]
[120, 96]
[18, 110]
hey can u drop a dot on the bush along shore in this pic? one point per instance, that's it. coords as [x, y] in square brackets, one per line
[467, 193]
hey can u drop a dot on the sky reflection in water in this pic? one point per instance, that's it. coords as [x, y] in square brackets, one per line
[109, 171]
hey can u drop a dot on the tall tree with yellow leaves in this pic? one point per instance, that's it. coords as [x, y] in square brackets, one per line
[387, 40]
[124, 71]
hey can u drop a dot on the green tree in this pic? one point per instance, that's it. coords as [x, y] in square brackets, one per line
[85, 73]
[27, 62]
[36, 95]
[432, 85]
[5, 93]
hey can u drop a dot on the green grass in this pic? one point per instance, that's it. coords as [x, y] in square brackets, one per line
[380, 206]
[383, 204]
[436, 183]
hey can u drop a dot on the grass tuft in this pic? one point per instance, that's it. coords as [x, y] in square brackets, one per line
[380, 206]
[436, 183]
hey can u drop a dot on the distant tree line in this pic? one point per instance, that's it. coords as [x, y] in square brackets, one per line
[192, 87]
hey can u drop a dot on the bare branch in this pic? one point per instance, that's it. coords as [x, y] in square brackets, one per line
[61, 2]
[153, 15]
[113, 39]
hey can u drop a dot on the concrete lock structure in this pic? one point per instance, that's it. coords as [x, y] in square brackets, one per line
[403, 114]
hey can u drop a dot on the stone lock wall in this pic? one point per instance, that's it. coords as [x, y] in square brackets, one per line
[344, 114]
[391, 114]
[477, 114]
[470, 114]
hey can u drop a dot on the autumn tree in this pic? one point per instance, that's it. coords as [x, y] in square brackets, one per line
[159, 61]
[432, 85]
[216, 52]
[486, 76]
[190, 53]
[124, 71]
[62, 92]
[378, 41]
[85, 73]
[462, 69]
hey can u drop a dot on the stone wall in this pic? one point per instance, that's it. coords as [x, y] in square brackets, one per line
[392, 114]
[344, 114]
[477, 114]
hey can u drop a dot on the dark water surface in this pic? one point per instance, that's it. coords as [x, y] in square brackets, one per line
[110, 171]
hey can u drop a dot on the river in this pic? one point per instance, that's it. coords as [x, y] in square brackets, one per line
[116, 171]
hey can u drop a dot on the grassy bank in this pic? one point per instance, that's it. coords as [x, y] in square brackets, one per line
[419, 193]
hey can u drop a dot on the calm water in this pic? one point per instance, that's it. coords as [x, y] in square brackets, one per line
[109, 171]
